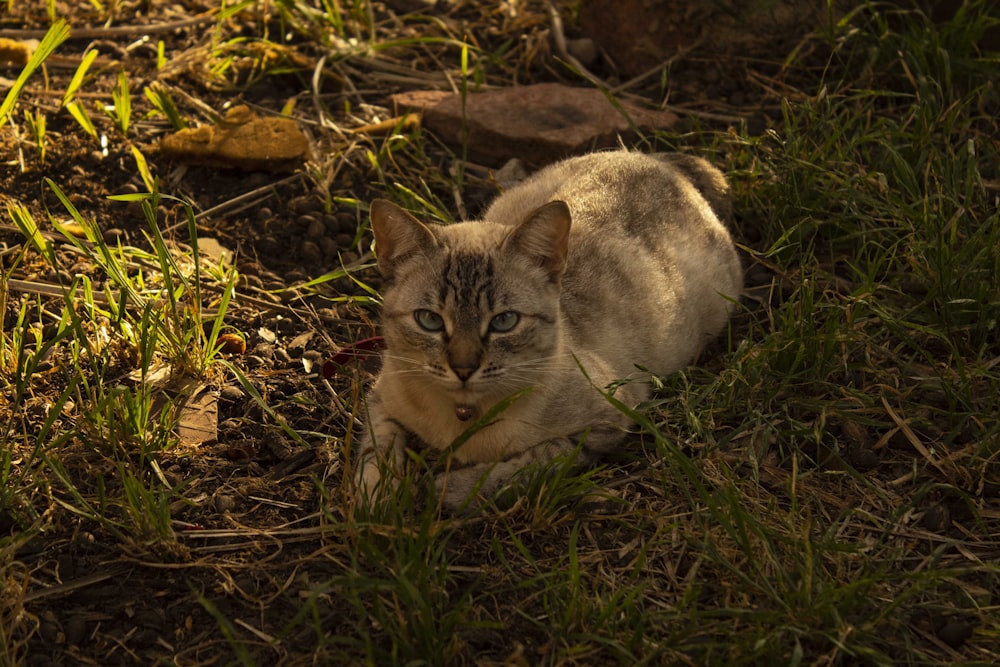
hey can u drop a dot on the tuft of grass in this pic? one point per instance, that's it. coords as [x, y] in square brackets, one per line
[821, 490]
[56, 35]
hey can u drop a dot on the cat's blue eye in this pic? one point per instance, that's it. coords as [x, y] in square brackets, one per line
[428, 320]
[504, 321]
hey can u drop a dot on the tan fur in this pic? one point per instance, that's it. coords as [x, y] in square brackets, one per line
[611, 261]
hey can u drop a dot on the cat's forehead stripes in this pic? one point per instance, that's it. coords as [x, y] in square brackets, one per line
[468, 280]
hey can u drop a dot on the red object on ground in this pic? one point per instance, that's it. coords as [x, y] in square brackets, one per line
[362, 348]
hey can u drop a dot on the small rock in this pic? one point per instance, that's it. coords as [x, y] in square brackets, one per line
[112, 236]
[289, 295]
[66, 564]
[304, 204]
[937, 519]
[313, 356]
[584, 49]
[329, 247]
[315, 228]
[955, 632]
[332, 223]
[76, 630]
[250, 280]
[263, 351]
[231, 394]
[328, 315]
[50, 629]
[347, 223]
[298, 344]
[224, 503]
[862, 458]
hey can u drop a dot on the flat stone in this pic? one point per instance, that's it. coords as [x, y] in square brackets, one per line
[641, 34]
[538, 124]
[243, 140]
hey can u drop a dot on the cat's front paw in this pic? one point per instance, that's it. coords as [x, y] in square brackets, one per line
[370, 484]
[461, 487]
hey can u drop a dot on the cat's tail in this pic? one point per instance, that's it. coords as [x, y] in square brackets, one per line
[709, 181]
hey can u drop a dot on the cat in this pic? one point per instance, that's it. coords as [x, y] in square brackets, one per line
[601, 269]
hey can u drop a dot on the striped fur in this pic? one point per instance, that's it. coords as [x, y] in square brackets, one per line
[577, 278]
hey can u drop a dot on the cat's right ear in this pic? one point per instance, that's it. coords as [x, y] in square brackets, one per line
[398, 236]
[544, 237]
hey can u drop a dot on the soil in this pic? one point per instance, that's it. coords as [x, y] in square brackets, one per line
[90, 603]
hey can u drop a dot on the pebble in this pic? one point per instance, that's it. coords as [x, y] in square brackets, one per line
[250, 280]
[954, 632]
[331, 222]
[329, 247]
[230, 425]
[263, 351]
[231, 394]
[289, 295]
[224, 503]
[311, 252]
[937, 519]
[347, 223]
[281, 324]
[313, 356]
[67, 566]
[315, 228]
[61, 277]
[305, 204]
[113, 235]
[328, 315]
[76, 630]
[50, 629]
[862, 458]
[298, 344]
[584, 49]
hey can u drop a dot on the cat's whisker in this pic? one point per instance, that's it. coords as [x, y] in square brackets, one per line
[593, 265]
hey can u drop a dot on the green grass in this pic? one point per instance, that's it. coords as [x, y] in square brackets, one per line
[779, 505]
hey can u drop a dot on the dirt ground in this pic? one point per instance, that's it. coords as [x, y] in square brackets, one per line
[91, 603]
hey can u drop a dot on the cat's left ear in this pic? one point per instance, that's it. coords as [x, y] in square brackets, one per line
[398, 235]
[544, 236]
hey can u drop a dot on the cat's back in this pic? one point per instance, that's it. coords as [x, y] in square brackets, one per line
[650, 254]
[635, 189]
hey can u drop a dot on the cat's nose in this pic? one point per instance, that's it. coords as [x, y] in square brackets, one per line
[465, 354]
[463, 373]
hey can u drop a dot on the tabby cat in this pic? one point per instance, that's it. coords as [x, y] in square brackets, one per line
[597, 270]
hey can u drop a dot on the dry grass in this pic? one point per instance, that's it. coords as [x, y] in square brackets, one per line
[822, 490]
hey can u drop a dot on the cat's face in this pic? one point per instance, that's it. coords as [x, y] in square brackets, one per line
[471, 309]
